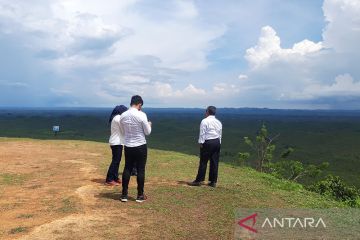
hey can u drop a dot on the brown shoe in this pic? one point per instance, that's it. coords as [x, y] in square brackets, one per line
[112, 183]
[118, 181]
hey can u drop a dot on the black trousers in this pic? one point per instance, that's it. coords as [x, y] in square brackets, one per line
[210, 151]
[113, 172]
[134, 157]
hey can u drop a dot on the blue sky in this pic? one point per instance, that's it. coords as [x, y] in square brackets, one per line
[180, 53]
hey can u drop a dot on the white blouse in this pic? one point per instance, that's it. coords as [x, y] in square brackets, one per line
[116, 137]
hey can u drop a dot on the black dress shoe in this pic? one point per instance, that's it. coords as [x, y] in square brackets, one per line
[195, 183]
[212, 184]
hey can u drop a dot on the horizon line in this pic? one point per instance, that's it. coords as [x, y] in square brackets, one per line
[193, 108]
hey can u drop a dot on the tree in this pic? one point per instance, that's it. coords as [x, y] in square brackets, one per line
[263, 146]
[284, 168]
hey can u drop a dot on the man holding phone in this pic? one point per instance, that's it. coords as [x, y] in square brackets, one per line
[135, 126]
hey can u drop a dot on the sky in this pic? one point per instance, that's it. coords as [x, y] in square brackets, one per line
[293, 54]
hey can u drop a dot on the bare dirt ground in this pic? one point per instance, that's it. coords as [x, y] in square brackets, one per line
[52, 190]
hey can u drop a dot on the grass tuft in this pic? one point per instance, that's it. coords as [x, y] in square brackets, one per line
[68, 205]
[12, 179]
[25, 216]
[18, 230]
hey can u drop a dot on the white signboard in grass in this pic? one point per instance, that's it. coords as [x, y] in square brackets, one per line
[56, 129]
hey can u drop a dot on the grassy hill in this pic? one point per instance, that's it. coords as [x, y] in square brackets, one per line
[53, 189]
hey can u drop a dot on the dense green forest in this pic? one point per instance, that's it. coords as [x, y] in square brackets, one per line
[316, 136]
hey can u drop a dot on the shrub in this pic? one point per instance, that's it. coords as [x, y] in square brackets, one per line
[242, 158]
[335, 187]
[294, 170]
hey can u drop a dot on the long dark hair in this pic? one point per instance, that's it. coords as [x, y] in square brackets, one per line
[118, 110]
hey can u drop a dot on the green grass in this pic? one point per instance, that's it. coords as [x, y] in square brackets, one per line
[179, 208]
[12, 179]
[176, 210]
[25, 216]
[69, 205]
[18, 230]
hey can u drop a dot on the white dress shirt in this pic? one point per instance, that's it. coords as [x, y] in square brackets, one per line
[210, 128]
[116, 137]
[134, 125]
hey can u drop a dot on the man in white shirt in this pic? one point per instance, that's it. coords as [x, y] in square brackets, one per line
[210, 143]
[134, 125]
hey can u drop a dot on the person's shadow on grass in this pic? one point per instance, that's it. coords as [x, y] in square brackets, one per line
[101, 180]
[113, 196]
[184, 183]
[98, 180]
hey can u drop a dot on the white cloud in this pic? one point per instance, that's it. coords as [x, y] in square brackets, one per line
[109, 50]
[176, 52]
[243, 77]
[269, 48]
[133, 79]
[186, 9]
[166, 90]
[343, 86]
[192, 90]
[225, 90]
[342, 32]
[306, 72]
[14, 84]
[76, 28]
[190, 94]
[166, 94]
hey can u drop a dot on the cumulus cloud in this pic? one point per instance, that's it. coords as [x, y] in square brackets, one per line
[269, 48]
[342, 32]
[165, 90]
[343, 86]
[225, 90]
[305, 73]
[162, 93]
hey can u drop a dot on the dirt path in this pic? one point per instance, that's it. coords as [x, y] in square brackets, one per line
[54, 191]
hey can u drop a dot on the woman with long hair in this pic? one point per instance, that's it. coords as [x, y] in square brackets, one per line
[116, 142]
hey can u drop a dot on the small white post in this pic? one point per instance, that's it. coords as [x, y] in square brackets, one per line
[56, 129]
